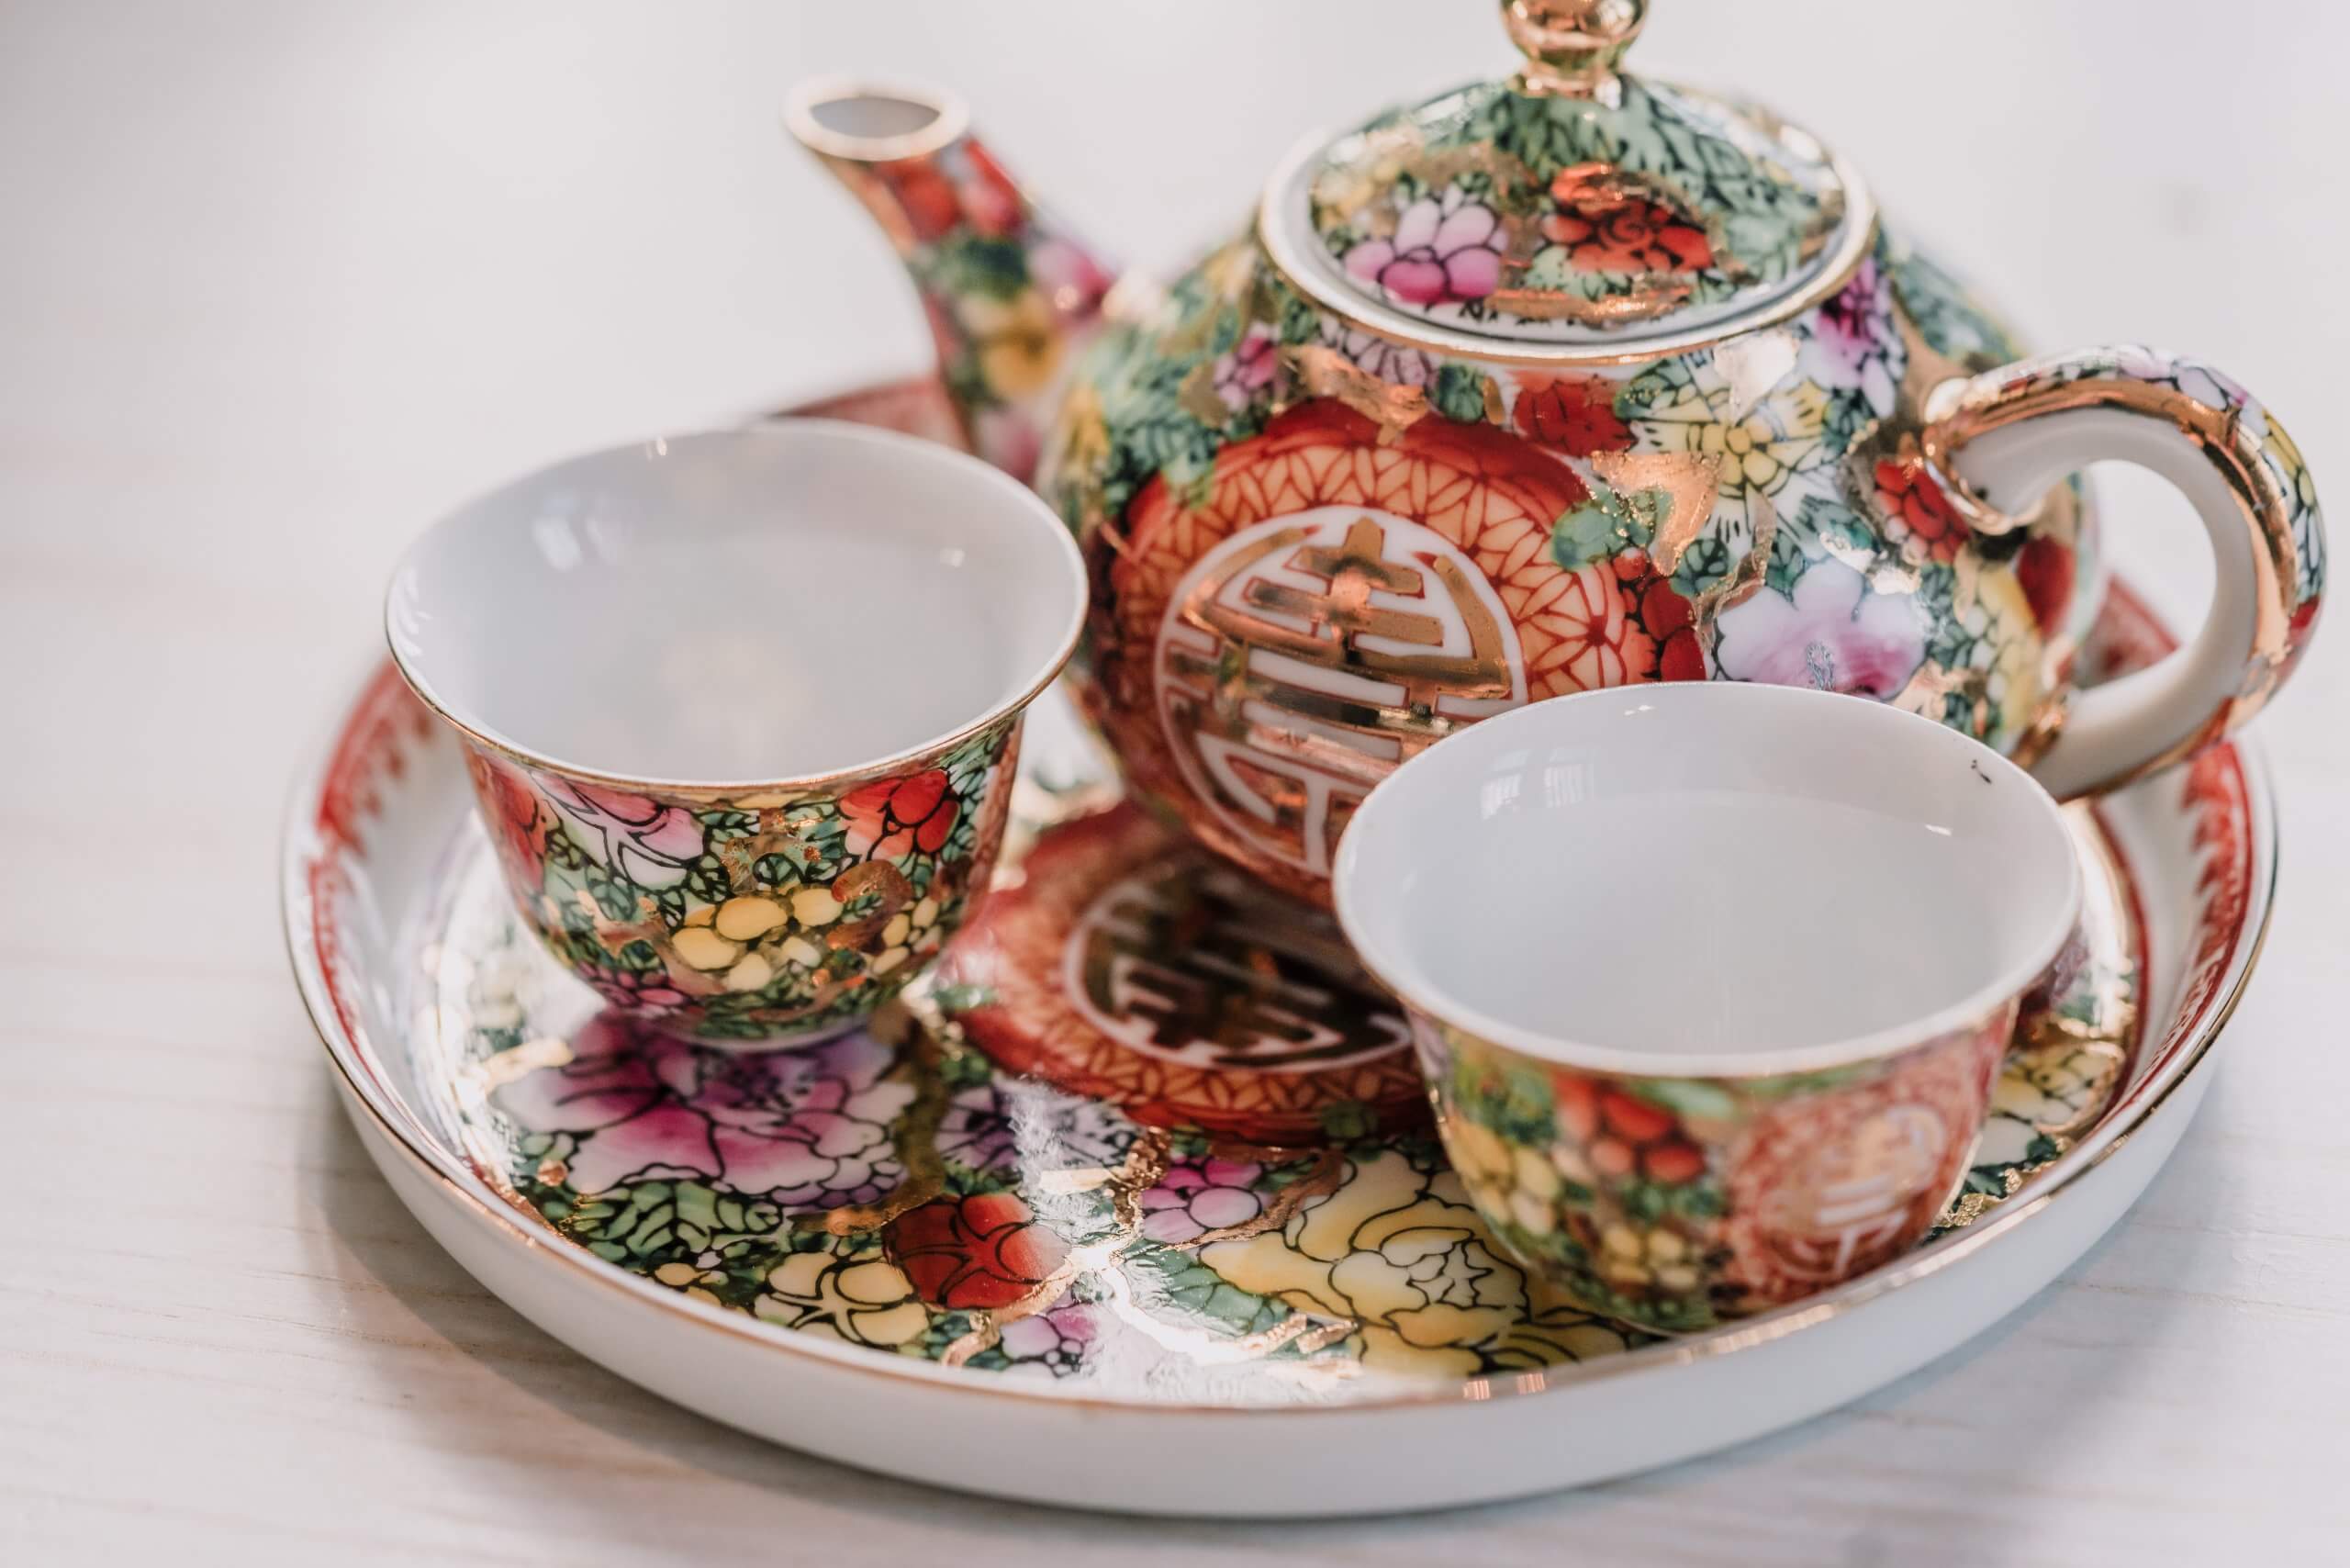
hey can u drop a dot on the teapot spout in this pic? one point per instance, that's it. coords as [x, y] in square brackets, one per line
[1009, 292]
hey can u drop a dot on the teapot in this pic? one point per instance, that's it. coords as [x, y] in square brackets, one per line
[1564, 380]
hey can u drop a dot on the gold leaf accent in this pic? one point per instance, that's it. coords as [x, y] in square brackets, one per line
[1690, 480]
[1197, 397]
[1326, 373]
[1745, 577]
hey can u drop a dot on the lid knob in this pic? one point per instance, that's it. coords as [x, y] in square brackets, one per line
[1572, 45]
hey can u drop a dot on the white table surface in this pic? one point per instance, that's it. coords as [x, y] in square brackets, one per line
[280, 282]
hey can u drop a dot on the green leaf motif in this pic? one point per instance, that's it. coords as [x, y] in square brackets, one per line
[1705, 564]
[1951, 321]
[1180, 1280]
[973, 263]
[1461, 394]
[1688, 1098]
[1605, 525]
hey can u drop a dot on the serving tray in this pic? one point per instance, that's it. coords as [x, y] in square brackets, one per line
[1135, 1206]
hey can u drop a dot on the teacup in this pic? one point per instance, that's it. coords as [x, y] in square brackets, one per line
[1711, 981]
[742, 708]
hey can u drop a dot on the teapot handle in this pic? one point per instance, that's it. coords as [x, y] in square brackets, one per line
[1998, 440]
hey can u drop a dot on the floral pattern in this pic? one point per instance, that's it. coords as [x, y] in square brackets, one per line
[504, 1006]
[752, 917]
[1753, 510]
[1443, 251]
[1833, 632]
[1674, 1204]
[1007, 289]
[890, 818]
[984, 1250]
[1198, 1196]
[1576, 414]
[1604, 228]
[802, 1129]
[900, 1190]
[648, 842]
[1395, 1254]
[1919, 518]
[1569, 214]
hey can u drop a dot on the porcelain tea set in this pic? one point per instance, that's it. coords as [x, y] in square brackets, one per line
[1565, 535]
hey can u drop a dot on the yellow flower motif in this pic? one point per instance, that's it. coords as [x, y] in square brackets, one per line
[2284, 455]
[1402, 1254]
[2045, 1088]
[1018, 340]
[866, 1301]
[2016, 690]
[1756, 450]
[1478, 1152]
[691, 1281]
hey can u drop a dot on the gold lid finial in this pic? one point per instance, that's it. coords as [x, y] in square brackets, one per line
[1572, 45]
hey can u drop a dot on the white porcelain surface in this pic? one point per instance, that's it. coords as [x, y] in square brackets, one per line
[1707, 878]
[747, 606]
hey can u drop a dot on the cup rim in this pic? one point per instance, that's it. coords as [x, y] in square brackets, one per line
[1349, 898]
[903, 446]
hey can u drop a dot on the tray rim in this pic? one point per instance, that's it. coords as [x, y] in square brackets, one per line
[301, 852]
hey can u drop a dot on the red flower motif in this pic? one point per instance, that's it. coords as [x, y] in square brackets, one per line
[976, 1253]
[1912, 501]
[510, 808]
[1622, 1135]
[1607, 229]
[2044, 571]
[1665, 616]
[991, 201]
[925, 194]
[1576, 413]
[891, 817]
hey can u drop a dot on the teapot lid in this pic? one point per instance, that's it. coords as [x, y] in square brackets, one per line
[1569, 207]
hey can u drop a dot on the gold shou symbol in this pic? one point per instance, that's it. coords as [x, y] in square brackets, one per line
[1200, 965]
[1852, 1199]
[1306, 656]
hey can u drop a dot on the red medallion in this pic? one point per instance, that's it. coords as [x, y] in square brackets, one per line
[1130, 966]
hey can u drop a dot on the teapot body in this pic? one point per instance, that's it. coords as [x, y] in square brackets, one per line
[1318, 544]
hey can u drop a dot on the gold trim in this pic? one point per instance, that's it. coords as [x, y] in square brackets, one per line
[1277, 238]
[2060, 1176]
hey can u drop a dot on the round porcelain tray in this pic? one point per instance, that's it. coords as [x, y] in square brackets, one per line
[1136, 1209]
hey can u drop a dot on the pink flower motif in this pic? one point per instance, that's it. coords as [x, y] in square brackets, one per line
[1856, 341]
[1055, 1338]
[1007, 438]
[806, 1127]
[650, 843]
[1070, 278]
[1248, 367]
[1442, 252]
[1832, 635]
[640, 991]
[1194, 1198]
[1374, 356]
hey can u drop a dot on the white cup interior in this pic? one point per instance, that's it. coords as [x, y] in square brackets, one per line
[1708, 877]
[749, 607]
